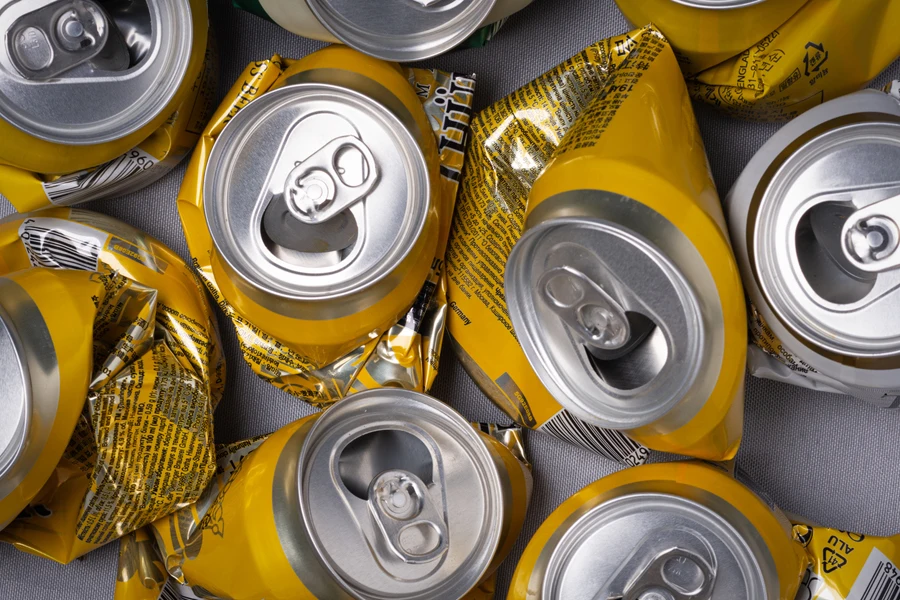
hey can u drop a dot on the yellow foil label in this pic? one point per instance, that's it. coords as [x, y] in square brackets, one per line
[144, 445]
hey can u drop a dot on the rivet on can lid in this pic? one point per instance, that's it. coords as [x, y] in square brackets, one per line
[400, 496]
[86, 72]
[15, 401]
[402, 30]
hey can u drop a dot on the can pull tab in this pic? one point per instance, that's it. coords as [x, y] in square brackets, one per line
[871, 236]
[407, 517]
[585, 308]
[316, 189]
[673, 575]
[676, 570]
[60, 36]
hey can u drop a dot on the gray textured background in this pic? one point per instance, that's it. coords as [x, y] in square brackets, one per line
[830, 458]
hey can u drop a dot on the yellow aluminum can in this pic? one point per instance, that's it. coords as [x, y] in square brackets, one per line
[704, 33]
[388, 494]
[46, 351]
[623, 289]
[680, 529]
[72, 103]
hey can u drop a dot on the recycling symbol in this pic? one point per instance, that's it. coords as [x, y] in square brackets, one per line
[832, 561]
[816, 56]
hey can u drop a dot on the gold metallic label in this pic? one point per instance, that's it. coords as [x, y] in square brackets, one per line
[144, 446]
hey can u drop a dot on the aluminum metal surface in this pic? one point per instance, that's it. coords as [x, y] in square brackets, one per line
[813, 222]
[616, 311]
[83, 72]
[719, 4]
[401, 497]
[402, 30]
[29, 378]
[642, 545]
[315, 192]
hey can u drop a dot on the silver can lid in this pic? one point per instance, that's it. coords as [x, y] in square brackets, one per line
[657, 546]
[81, 72]
[402, 30]
[718, 4]
[15, 401]
[400, 497]
[617, 313]
[818, 208]
[315, 192]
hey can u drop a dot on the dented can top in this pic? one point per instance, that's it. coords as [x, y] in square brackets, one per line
[315, 191]
[402, 30]
[401, 497]
[641, 545]
[82, 72]
[617, 311]
[816, 221]
[15, 402]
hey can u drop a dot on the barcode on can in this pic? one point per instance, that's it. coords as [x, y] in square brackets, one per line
[60, 244]
[612, 444]
[878, 580]
[118, 176]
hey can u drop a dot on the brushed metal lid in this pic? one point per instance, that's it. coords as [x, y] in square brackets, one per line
[655, 546]
[400, 497]
[86, 72]
[402, 30]
[616, 311]
[816, 225]
[314, 192]
[15, 399]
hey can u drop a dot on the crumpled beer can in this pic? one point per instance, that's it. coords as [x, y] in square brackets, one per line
[85, 82]
[396, 30]
[388, 494]
[705, 33]
[668, 530]
[593, 290]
